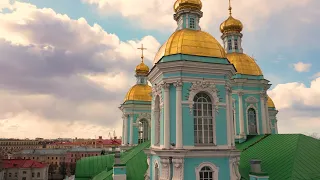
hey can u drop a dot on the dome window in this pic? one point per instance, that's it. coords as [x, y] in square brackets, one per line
[192, 24]
[236, 44]
[229, 45]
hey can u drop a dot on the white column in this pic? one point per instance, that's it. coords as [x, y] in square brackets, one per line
[179, 137]
[263, 112]
[233, 124]
[125, 138]
[241, 114]
[267, 116]
[229, 123]
[166, 107]
[131, 130]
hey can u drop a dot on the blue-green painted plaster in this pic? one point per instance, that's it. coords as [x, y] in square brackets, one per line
[182, 74]
[185, 57]
[121, 170]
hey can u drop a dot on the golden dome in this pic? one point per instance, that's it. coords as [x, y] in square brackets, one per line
[142, 69]
[187, 4]
[231, 25]
[270, 103]
[244, 64]
[191, 42]
[139, 92]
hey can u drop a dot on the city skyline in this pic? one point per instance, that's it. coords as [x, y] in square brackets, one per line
[65, 71]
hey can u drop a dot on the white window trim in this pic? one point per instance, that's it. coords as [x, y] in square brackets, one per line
[212, 92]
[214, 168]
[257, 118]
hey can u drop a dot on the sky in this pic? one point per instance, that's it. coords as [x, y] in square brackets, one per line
[65, 66]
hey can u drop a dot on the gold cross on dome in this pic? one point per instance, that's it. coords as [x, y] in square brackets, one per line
[142, 48]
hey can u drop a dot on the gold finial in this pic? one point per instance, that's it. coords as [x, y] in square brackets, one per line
[142, 51]
[230, 8]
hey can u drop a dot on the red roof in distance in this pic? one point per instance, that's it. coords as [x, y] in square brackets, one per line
[22, 163]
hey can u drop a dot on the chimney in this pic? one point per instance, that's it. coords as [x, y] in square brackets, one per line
[256, 170]
[119, 169]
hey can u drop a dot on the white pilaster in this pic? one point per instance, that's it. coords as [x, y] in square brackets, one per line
[178, 169]
[131, 130]
[229, 123]
[166, 116]
[179, 137]
[125, 135]
[263, 112]
[241, 114]
[267, 116]
[232, 123]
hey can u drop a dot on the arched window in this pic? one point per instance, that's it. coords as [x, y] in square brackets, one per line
[143, 131]
[192, 24]
[229, 44]
[203, 119]
[206, 173]
[252, 121]
[157, 121]
[38, 174]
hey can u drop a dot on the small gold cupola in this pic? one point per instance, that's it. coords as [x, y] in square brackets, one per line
[231, 24]
[142, 69]
[187, 4]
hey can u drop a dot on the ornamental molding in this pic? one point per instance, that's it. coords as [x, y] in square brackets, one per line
[147, 174]
[178, 84]
[146, 116]
[204, 86]
[228, 88]
[157, 91]
[165, 169]
[178, 167]
[234, 167]
[252, 99]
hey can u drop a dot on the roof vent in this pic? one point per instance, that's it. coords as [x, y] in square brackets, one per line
[255, 165]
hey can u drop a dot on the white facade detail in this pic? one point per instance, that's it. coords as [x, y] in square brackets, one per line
[165, 169]
[234, 168]
[210, 165]
[240, 94]
[166, 119]
[178, 169]
[179, 130]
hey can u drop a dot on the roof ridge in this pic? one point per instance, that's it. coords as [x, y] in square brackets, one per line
[262, 138]
[143, 146]
[294, 155]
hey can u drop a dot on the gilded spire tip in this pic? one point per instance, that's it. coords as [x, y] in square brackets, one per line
[142, 48]
[230, 8]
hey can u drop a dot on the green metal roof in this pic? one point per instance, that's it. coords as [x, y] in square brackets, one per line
[100, 167]
[284, 156]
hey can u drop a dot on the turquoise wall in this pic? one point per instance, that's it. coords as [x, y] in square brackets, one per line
[172, 92]
[119, 170]
[190, 164]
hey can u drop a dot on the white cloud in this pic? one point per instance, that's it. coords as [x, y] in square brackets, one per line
[298, 105]
[157, 14]
[302, 67]
[316, 75]
[62, 76]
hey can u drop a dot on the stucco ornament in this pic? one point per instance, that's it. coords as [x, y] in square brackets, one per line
[178, 169]
[146, 116]
[204, 86]
[165, 169]
[235, 168]
[147, 174]
[251, 99]
[156, 91]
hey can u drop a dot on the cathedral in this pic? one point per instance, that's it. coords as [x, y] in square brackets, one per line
[206, 115]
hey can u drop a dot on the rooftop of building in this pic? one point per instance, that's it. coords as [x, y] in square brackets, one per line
[284, 156]
[22, 163]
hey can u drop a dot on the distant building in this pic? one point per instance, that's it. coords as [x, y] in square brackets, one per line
[22, 169]
[8, 146]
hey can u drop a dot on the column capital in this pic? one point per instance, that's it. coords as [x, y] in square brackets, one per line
[240, 93]
[178, 162]
[178, 84]
[263, 94]
[228, 88]
[165, 86]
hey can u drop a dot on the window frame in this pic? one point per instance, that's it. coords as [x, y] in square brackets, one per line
[214, 168]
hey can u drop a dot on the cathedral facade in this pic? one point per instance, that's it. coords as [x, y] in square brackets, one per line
[204, 98]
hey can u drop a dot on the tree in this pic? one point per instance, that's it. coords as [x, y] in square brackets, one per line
[103, 152]
[63, 169]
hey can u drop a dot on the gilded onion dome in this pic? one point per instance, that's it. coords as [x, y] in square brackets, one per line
[191, 42]
[139, 92]
[231, 24]
[142, 69]
[270, 103]
[244, 64]
[187, 4]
